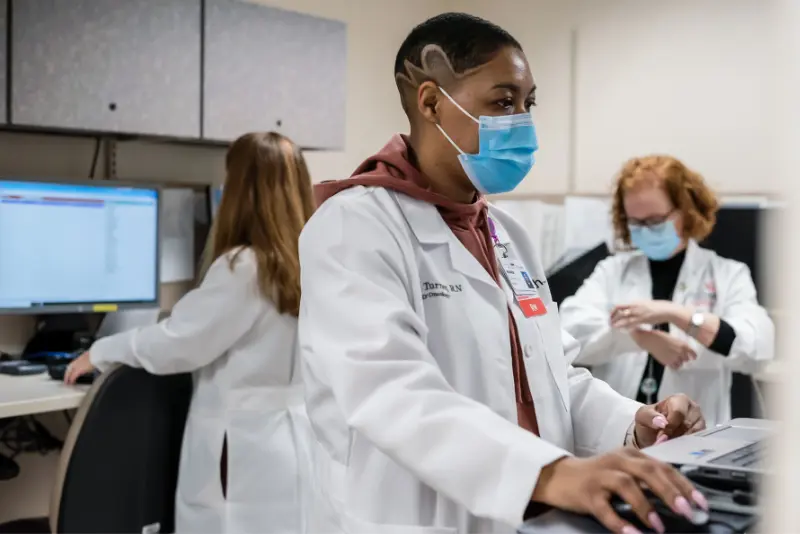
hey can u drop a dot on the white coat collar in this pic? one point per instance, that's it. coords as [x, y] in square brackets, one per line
[430, 229]
[697, 260]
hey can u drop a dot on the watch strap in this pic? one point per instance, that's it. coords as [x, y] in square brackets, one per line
[694, 325]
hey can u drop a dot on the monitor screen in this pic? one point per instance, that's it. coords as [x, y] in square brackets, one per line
[69, 248]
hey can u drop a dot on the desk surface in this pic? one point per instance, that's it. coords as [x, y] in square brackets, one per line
[27, 395]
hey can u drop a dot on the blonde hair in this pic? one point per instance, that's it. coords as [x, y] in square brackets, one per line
[686, 189]
[267, 199]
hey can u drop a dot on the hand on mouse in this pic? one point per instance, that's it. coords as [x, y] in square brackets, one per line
[586, 486]
[79, 367]
[674, 416]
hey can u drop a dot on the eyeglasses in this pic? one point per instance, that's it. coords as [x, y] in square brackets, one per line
[650, 221]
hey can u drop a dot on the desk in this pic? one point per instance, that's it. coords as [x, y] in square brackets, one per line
[28, 395]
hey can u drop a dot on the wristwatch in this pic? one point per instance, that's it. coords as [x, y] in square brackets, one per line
[697, 320]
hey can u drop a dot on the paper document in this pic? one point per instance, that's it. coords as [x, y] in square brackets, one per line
[587, 222]
[177, 235]
[201, 208]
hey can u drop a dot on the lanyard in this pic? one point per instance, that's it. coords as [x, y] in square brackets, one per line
[516, 275]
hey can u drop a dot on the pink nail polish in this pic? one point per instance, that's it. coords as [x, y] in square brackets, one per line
[683, 507]
[660, 422]
[700, 500]
[661, 439]
[656, 522]
[630, 530]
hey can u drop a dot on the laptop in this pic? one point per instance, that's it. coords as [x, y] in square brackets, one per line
[736, 447]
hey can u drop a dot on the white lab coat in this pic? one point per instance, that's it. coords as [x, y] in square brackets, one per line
[706, 282]
[409, 383]
[246, 386]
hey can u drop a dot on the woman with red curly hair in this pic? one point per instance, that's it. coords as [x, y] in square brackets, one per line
[665, 315]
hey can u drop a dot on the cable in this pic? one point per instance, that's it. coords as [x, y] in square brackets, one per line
[68, 417]
[8, 468]
[26, 434]
[97, 141]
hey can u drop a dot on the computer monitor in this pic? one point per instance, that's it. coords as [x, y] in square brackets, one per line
[77, 247]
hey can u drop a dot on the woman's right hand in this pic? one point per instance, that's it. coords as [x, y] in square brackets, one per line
[668, 350]
[586, 486]
[80, 366]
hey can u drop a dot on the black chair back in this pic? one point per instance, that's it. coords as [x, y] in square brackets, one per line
[119, 467]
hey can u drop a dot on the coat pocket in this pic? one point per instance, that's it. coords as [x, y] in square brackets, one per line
[199, 474]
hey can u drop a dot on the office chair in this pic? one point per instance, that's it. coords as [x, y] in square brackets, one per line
[119, 467]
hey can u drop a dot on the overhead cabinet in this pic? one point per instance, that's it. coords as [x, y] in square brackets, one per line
[187, 69]
[128, 66]
[271, 69]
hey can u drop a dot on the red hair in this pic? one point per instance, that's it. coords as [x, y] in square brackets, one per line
[686, 189]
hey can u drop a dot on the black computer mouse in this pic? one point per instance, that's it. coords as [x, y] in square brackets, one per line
[673, 522]
[57, 372]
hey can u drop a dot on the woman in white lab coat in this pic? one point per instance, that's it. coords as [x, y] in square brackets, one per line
[245, 457]
[434, 364]
[668, 316]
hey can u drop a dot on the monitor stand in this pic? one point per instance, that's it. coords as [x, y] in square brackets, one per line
[63, 333]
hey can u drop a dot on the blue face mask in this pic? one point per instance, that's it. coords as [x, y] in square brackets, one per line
[657, 242]
[505, 156]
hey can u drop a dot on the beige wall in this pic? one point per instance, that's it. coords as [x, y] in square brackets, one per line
[620, 78]
[784, 512]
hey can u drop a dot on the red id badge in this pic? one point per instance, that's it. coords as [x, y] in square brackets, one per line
[532, 306]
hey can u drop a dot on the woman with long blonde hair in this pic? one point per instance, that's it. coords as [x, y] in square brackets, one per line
[244, 464]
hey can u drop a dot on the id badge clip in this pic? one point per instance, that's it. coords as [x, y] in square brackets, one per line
[525, 292]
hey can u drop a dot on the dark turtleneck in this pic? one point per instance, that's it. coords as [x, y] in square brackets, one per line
[664, 275]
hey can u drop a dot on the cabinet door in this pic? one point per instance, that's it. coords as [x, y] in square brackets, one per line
[129, 66]
[3, 59]
[270, 69]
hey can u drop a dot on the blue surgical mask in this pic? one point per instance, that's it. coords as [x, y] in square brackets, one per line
[657, 242]
[505, 156]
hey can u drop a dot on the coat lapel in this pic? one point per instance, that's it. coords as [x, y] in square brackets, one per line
[691, 274]
[432, 231]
